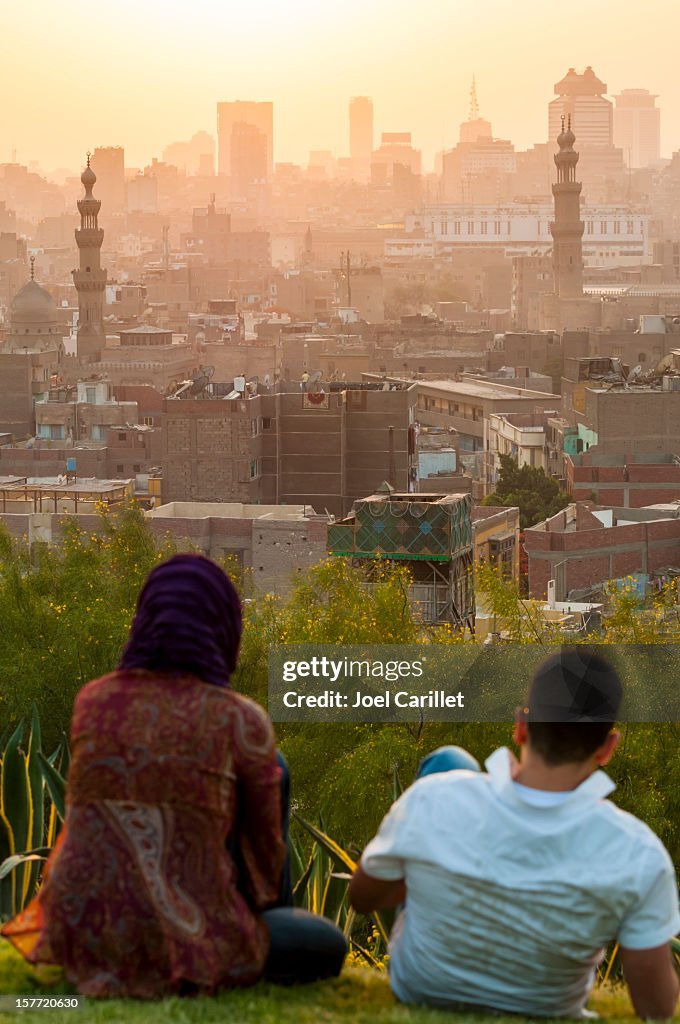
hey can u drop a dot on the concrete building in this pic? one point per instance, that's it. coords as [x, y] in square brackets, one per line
[259, 115]
[521, 436]
[25, 378]
[614, 234]
[81, 413]
[108, 163]
[495, 532]
[275, 544]
[464, 406]
[582, 98]
[361, 136]
[637, 127]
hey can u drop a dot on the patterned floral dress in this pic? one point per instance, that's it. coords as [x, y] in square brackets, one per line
[172, 841]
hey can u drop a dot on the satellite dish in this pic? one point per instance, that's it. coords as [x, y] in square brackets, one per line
[267, 381]
[209, 371]
[663, 365]
[199, 383]
[313, 382]
[634, 373]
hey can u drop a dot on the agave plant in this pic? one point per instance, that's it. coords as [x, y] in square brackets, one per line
[32, 794]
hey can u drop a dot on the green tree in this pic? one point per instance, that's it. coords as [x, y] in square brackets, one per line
[529, 488]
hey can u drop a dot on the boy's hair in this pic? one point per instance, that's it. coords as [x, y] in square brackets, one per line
[573, 702]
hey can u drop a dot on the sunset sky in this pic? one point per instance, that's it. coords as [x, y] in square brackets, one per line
[143, 73]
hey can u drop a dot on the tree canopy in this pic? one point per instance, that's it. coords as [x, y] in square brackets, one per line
[529, 488]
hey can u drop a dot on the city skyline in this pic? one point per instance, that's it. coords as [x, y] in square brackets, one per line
[131, 86]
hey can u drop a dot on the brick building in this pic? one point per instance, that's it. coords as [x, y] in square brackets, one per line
[626, 480]
[584, 546]
[325, 448]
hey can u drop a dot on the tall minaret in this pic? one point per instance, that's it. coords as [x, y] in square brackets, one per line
[567, 228]
[90, 279]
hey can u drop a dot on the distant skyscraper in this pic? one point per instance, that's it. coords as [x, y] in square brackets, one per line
[361, 135]
[475, 127]
[567, 228]
[637, 128]
[90, 279]
[581, 98]
[248, 157]
[249, 112]
[108, 163]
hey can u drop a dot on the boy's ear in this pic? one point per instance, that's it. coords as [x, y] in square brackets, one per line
[521, 732]
[605, 753]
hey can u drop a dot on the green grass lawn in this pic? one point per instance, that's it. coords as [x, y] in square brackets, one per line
[361, 995]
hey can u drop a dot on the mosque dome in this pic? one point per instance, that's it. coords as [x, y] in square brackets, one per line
[32, 304]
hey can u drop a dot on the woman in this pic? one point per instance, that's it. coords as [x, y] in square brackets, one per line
[173, 847]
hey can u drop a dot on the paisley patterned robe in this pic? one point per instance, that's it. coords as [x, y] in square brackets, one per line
[168, 775]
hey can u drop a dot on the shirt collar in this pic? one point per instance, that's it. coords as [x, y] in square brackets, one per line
[595, 787]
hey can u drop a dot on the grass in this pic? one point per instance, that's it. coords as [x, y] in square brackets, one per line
[359, 996]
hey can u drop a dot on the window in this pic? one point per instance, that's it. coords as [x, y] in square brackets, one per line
[630, 227]
[590, 227]
[254, 469]
[91, 395]
[147, 421]
[603, 227]
[137, 468]
[456, 227]
[617, 227]
[98, 432]
[119, 467]
[266, 423]
[483, 227]
[496, 227]
[122, 436]
[471, 227]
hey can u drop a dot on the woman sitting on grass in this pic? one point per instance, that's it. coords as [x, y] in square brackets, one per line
[169, 874]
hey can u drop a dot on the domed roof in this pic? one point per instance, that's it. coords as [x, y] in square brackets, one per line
[32, 304]
[88, 177]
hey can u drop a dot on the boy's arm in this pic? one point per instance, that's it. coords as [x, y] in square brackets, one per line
[367, 894]
[652, 981]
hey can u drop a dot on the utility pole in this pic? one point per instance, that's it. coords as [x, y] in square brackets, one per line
[346, 266]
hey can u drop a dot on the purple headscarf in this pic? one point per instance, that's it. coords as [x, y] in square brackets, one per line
[188, 620]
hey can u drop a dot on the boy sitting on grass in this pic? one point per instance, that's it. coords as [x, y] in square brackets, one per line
[515, 880]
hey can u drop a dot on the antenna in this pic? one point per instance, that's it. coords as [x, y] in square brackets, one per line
[474, 105]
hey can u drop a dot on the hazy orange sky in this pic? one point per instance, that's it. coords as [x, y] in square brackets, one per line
[143, 73]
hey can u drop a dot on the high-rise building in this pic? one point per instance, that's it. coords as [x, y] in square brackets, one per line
[361, 135]
[637, 129]
[581, 98]
[108, 163]
[90, 278]
[249, 112]
[567, 228]
[476, 127]
[248, 157]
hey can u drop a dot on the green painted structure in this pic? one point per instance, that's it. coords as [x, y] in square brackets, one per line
[431, 532]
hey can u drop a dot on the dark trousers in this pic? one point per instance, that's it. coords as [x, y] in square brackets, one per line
[303, 947]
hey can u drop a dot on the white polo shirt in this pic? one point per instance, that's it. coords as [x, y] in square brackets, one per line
[510, 902]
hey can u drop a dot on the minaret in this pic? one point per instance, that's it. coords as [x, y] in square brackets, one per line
[567, 228]
[90, 279]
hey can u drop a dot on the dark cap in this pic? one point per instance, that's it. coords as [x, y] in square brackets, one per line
[576, 685]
